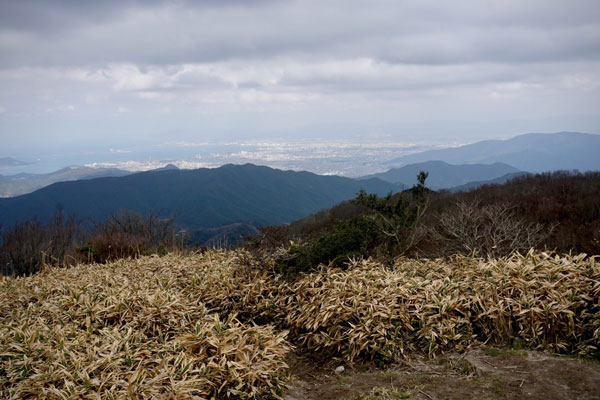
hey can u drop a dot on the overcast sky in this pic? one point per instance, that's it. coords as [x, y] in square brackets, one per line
[82, 74]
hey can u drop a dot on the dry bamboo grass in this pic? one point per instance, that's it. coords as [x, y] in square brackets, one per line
[131, 329]
[372, 311]
[211, 325]
[245, 287]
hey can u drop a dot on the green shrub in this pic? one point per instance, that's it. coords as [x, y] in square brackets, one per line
[398, 218]
[347, 239]
[387, 228]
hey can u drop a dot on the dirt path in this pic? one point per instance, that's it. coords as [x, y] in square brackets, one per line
[479, 374]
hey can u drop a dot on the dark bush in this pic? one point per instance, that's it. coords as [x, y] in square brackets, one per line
[398, 218]
[130, 235]
[27, 246]
[347, 239]
[366, 226]
[564, 205]
[272, 238]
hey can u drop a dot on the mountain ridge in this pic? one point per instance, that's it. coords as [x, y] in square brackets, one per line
[496, 181]
[443, 175]
[533, 152]
[201, 198]
[23, 183]
[10, 162]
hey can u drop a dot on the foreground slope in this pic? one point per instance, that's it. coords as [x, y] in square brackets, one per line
[131, 329]
[220, 324]
[489, 373]
[200, 198]
[533, 152]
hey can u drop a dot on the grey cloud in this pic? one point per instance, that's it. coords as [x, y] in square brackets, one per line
[303, 61]
[59, 15]
[69, 33]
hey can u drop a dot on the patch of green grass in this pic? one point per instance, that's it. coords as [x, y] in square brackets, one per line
[492, 383]
[345, 381]
[383, 393]
[504, 352]
[593, 362]
[465, 368]
[497, 385]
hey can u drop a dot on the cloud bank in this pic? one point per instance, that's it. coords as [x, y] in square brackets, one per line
[145, 69]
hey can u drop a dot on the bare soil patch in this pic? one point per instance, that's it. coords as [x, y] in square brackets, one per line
[486, 373]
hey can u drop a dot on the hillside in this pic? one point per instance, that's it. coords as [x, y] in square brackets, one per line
[562, 206]
[201, 198]
[496, 181]
[533, 152]
[443, 175]
[16, 185]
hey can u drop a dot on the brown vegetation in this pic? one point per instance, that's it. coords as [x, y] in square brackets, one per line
[63, 241]
[217, 324]
[565, 204]
[130, 235]
[26, 247]
[131, 329]
[557, 211]
[373, 311]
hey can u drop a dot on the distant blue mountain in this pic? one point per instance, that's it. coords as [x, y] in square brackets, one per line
[199, 199]
[23, 183]
[443, 175]
[496, 181]
[10, 162]
[533, 152]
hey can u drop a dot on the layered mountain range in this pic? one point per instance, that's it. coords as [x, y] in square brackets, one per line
[533, 152]
[239, 198]
[443, 175]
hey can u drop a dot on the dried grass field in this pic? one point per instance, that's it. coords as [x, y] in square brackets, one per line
[223, 325]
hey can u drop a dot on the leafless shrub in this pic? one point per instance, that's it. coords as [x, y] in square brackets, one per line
[130, 235]
[27, 246]
[493, 230]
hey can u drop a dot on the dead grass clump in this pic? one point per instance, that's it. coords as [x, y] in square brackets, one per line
[131, 329]
[355, 312]
[372, 311]
[243, 286]
[236, 360]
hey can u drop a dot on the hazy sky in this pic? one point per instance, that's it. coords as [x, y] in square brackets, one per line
[82, 74]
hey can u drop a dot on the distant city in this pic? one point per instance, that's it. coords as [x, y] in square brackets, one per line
[321, 157]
